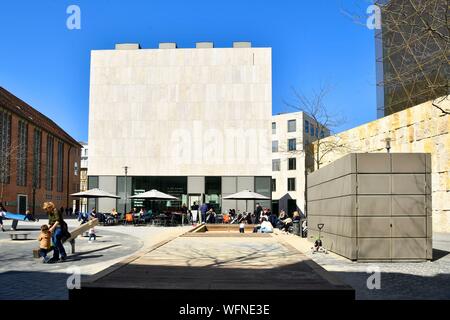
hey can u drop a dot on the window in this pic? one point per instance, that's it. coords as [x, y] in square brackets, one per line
[60, 168]
[292, 125]
[274, 146]
[291, 184]
[311, 130]
[292, 144]
[37, 161]
[75, 168]
[213, 190]
[5, 146]
[49, 165]
[22, 149]
[274, 127]
[292, 164]
[322, 134]
[263, 186]
[306, 126]
[275, 164]
[274, 185]
[317, 132]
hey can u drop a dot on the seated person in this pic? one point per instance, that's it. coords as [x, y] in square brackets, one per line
[84, 217]
[284, 222]
[211, 216]
[114, 213]
[29, 216]
[93, 214]
[226, 218]
[273, 219]
[266, 226]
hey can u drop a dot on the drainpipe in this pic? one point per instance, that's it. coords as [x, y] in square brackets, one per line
[68, 176]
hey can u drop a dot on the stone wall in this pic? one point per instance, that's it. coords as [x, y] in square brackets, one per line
[418, 129]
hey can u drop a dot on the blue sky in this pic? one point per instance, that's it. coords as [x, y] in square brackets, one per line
[47, 65]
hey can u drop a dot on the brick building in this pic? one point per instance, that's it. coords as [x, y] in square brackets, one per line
[38, 160]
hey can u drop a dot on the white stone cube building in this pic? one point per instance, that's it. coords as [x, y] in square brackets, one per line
[193, 122]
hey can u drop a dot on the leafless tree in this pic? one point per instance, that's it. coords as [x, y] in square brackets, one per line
[419, 28]
[9, 159]
[8, 156]
[327, 122]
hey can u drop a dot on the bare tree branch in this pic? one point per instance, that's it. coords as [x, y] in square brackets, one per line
[323, 120]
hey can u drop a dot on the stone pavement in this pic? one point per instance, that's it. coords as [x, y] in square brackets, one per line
[399, 280]
[214, 265]
[23, 277]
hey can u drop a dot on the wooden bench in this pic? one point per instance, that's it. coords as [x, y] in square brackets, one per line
[19, 235]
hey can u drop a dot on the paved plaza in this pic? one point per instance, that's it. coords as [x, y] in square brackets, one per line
[399, 280]
[221, 263]
[23, 277]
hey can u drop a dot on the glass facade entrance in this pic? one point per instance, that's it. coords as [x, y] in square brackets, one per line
[208, 189]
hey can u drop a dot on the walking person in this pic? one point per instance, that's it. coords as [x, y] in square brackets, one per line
[57, 224]
[2, 214]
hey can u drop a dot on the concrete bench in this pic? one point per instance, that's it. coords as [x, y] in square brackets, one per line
[19, 235]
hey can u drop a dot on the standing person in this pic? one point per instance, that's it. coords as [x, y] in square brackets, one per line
[242, 226]
[59, 227]
[258, 211]
[44, 243]
[92, 234]
[203, 210]
[194, 212]
[2, 214]
[184, 211]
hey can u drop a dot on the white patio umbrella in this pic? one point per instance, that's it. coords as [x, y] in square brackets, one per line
[246, 195]
[154, 195]
[95, 194]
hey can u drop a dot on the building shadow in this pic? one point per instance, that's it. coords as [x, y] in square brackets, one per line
[439, 254]
[18, 285]
[398, 286]
[238, 280]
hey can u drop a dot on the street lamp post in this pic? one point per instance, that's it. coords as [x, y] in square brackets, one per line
[388, 144]
[126, 188]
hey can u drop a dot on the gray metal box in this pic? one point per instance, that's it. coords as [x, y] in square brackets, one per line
[373, 206]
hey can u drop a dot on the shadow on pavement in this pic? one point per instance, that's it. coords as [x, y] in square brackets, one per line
[398, 286]
[17, 285]
[439, 254]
